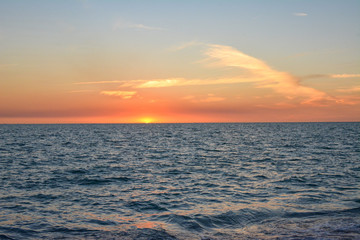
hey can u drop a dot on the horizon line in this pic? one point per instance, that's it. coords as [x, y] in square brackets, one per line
[153, 123]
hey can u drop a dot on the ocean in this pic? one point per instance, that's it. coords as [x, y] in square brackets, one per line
[180, 181]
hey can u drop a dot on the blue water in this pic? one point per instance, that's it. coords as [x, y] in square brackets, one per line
[180, 181]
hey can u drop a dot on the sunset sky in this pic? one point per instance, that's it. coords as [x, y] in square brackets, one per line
[74, 61]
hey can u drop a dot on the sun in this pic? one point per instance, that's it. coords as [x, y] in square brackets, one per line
[147, 120]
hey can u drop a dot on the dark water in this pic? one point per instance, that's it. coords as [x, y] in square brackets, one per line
[180, 181]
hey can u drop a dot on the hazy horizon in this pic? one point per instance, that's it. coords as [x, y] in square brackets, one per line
[144, 123]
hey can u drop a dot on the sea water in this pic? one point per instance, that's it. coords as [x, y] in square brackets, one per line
[180, 181]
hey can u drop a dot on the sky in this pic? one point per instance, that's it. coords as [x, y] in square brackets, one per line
[157, 61]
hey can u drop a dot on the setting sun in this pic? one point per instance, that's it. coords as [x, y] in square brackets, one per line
[146, 120]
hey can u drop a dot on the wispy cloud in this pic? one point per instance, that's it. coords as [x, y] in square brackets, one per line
[124, 25]
[265, 76]
[185, 45]
[210, 98]
[81, 91]
[344, 75]
[97, 82]
[122, 94]
[350, 90]
[300, 14]
[160, 83]
[227, 56]
[178, 82]
[256, 71]
[253, 71]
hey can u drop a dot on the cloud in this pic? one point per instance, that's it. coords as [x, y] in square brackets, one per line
[185, 45]
[230, 57]
[300, 14]
[344, 75]
[350, 90]
[81, 91]
[253, 71]
[160, 83]
[264, 75]
[97, 82]
[179, 82]
[210, 98]
[124, 25]
[122, 94]
[53, 113]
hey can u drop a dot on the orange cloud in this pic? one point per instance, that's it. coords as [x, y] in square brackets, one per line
[97, 82]
[350, 90]
[160, 83]
[210, 98]
[253, 70]
[178, 82]
[344, 75]
[265, 76]
[122, 94]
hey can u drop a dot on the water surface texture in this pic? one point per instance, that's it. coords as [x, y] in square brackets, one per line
[180, 181]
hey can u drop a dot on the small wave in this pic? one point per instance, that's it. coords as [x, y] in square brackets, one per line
[121, 179]
[320, 213]
[136, 234]
[200, 222]
[4, 237]
[93, 181]
[77, 171]
[101, 222]
[186, 222]
[313, 228]
[145, 206]
[19, 231]
[292, 179]
[58, 229]
[44, 196]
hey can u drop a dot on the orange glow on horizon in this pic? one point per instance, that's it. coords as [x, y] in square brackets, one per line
[147, 120]
[255, 92]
